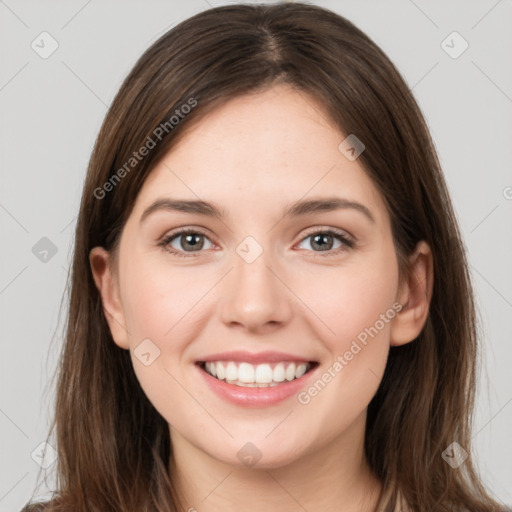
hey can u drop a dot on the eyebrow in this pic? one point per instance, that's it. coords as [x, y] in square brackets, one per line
[296, 209]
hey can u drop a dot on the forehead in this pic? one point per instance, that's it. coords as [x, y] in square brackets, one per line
[270, 147]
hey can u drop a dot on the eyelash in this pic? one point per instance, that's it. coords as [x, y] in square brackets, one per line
[340, 235]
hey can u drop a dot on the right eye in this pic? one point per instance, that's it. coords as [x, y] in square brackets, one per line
[185, 241]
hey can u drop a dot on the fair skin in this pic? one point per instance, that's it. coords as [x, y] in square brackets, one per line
[252, 157]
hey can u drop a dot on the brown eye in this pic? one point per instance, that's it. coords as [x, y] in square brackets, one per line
[328, 241]
[193, 242]
[322, 242]
[186, 241]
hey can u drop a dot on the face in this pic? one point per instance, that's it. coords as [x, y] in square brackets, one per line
[262, 290]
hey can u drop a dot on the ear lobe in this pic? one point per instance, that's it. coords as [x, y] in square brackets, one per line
[106, 283]
[414, 296]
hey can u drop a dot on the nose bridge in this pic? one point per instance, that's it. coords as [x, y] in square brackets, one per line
[253, 295]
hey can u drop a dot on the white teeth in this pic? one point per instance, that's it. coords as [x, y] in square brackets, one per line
[301, 370]
[246, 373]
[231, 371]
[211, 368]
[221, 372]
[264, 374]
[278, 375]
[261, 375]
[290, 372]
[243, 384]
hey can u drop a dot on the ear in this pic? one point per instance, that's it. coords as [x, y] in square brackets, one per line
[106, 282]
[414, 296]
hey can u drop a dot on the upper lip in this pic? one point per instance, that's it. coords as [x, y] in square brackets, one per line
[253, 357]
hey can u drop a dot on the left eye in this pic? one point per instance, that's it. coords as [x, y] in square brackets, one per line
[324, 241]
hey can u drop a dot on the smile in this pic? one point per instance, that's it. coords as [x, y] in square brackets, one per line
[255, 379]
[245, 374]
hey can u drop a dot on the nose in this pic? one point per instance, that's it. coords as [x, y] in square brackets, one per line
[255, 296]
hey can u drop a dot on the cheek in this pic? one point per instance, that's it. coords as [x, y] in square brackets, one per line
[351, 299]
[158, 299]
[357, 307]
[161, 304]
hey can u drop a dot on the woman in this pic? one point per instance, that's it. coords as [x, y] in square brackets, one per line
[270, 302]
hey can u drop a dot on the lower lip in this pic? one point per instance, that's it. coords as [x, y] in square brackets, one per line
[254, 397]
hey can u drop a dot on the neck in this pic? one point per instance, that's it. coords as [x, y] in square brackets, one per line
[334, 476]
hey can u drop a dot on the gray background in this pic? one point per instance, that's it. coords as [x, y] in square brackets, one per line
[51, 111]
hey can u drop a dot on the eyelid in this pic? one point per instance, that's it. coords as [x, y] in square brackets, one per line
[348, 241]
[328, 229]
[169, 236]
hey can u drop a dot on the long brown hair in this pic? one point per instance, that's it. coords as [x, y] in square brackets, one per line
[113, 446]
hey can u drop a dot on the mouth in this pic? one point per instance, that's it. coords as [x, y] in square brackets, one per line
[263, 375]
